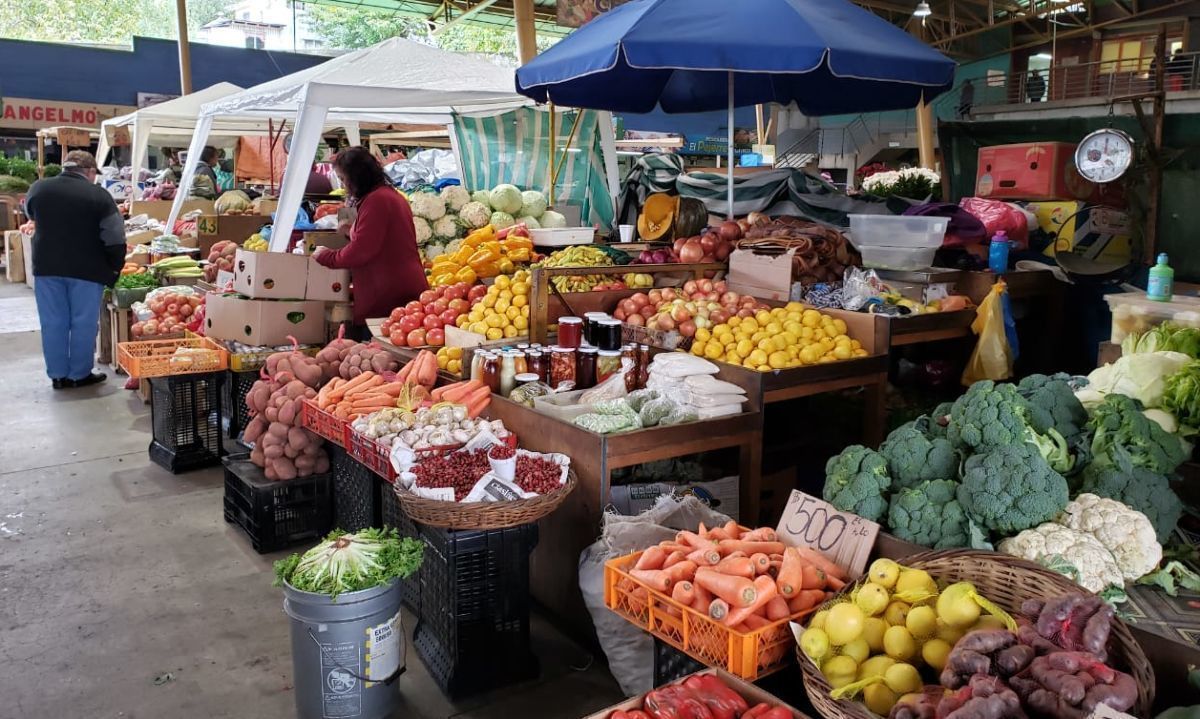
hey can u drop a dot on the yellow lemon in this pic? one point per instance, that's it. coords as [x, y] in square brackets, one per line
[921, 621]
[855, 344]
[899, 643]
[873, 629]
[502, 304]
[858, 650]
[454, 352]
[896, 613]
[815, 644]
[762, 317]
[733, 321]
[774, 328]
[512, 313]
[749, 324]
[872, 599]
[520, 300]
[840, 324]
[818, 619]
[778, 360]
[520, 288]
[733, 357]
[744, 348]
[844, 623]
[525, 311]
[794, 307]
[875, 666]
[502, 282]
[506, 294]
[780, 342]
[949, 634]
[489, 300]
[842, 353]
[713, 351]
[495, 333]
[765, 344]
[764, 368]
[902, 678]
[859, 353]
[703, 334]
[840, 671]
[884, 572]
[806, 333]
[757, 358]
[880, 699]
[521, 323]
[698, 348]
[510, 331]
[935, 652]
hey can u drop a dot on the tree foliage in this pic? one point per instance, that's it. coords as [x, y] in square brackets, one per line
[100, 21]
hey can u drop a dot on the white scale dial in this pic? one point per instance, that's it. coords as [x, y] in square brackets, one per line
[1104, 155]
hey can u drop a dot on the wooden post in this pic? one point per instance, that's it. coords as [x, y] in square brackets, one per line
[1150, 238]
[925, 134]
[185, 52]
[526, 30]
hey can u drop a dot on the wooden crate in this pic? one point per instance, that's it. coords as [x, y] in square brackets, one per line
[117, 321]
[14, 257]
[104, 345]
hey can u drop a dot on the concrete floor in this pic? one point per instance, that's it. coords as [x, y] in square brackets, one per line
[123, 592]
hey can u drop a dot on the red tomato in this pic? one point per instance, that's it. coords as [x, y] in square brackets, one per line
[414, 306]
[386, 327]
[397, 338]
[416, 338]
[476, 292]
[436, 337]
[457, 291]
[449, 317]
[460, 305]
[432, 322]
[408, 324]
[396, 313]
[440, 306]
[427, 296]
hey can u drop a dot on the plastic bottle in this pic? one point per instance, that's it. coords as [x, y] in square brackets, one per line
[1161, 284]
[998, 252]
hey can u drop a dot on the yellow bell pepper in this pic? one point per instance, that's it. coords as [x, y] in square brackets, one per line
[443, 279]
[484, 234]
[467, 275]
[441, 267]
[462, 254]
[481, 256]
[486, 269]
[492, 246]
[519, 255]
[506, 266]
[514, 243]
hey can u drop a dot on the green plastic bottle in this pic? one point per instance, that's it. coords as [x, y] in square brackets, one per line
[1161, 284]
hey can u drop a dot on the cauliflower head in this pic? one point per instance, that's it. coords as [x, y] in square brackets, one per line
[1118, 422]
[1125, 532]
[428, 205]
[856, 480]
[445, 228]
[1052, 404]
[913, 457]
[455, 196]
[475, 214]
[1096, 565]
[1011, 488]
[930, 515]
[424, 231]
[1139, 489]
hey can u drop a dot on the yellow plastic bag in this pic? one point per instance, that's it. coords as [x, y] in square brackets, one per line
[993, 357]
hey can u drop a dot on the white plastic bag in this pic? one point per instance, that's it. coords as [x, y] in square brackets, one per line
[711, 385]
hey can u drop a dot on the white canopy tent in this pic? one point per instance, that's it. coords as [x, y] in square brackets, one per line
[394, 81]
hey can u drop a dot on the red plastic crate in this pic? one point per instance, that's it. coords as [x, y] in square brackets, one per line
[323, 423]
[374, 455]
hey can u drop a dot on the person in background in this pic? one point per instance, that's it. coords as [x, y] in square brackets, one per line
[1035, 87]
[204, 182]
[1177, 68]
[966, 98]
[382, 254]
[78, 250]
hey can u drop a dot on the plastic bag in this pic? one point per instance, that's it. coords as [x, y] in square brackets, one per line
[860, 287]
[640, 397]
[611, 388]
[993, 357]
[997, 215]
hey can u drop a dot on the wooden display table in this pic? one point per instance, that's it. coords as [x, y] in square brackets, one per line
[917, 329]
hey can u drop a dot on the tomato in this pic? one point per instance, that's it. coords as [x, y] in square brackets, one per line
[436, 337]
[440, 306]
[135, 329]
[456, 291]
[427, 296]
[432, 322]
[449, 317]
[396, 313]
[408, 324]
[396, 337]
[414, 306]
[476, 292]
[386, 327]
[460, 305]
[416, 338]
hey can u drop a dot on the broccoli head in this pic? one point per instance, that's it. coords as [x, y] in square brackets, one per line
[914, 457]
[1052, 404]
[1118, 425]
[994, 415]
[856, 480]
[1010, 489]
[929, 514]
[938, 420]
[1138, 488]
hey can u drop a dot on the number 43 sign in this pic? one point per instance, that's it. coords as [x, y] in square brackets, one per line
[845, 538]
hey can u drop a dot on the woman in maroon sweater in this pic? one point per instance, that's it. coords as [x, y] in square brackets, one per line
[382, 255]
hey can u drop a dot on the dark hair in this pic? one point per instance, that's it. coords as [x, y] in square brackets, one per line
[360, 171]
[208, 154]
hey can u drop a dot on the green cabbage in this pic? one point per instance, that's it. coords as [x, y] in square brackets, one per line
[500, 220]
[552, 219]
[1140, 376]
[530, 222]
[483, 197]
[533, 203]
[506, 198]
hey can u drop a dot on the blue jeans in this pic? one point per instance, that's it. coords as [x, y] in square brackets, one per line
[69, 311]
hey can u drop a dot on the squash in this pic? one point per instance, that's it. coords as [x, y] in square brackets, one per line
[657, 216]
[692, 217]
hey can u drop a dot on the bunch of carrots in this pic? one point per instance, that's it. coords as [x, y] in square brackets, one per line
[745, 579]
[349, 399]
[472, 393]
[421, 370]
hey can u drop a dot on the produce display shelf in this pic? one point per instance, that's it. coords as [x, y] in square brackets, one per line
[254, 361]
[357, 492]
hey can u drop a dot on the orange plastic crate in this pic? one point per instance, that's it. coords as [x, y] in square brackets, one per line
[323, 423]
[750, 655]
[156, 358]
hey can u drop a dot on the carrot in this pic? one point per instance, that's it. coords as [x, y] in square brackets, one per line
[791, 574]
[762, 534]
[732, 529]
[477, 401]
[734, 545]
[717, 534]
[672, 558]
[822, 562]
[705, 557]
[652, 558]
[738, 591]
[718, 609]
[323, 394]
[702, 531]
[813, 578]
[694, 540]
[834, 583]
[684, 592]
[676, 547]
[682, 571]
[777, 608]
[405, 371]
[655, 578]
[700, 602]
[736, 554]
[805, 600]
[756, 621]
[737, 566]
[766, 591]
[392, 389]
[674, 611]
[455, 393]
[761, 562]
[337, 393]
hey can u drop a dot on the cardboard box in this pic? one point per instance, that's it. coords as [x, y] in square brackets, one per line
[234, 228]
[14, 256]
[141, 237]
[1098, 233]
[27, 257]
[270, 275]
[752, 694]
[161, 209]
[324, 238]
[327, 284]
[263, 322]
[761, 275]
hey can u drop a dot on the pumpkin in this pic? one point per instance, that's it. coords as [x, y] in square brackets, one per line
[692, 217]
[657, 215]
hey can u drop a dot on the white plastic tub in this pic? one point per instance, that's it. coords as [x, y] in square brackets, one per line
[562, 236]
[897, 258]
[897, 231]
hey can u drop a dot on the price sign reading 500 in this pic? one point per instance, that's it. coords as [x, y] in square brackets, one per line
[843, 537]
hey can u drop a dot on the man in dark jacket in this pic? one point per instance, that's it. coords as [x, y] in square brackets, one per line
[78, 250]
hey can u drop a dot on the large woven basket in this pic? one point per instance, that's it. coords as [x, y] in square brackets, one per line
[1008, 582]
[483, 515]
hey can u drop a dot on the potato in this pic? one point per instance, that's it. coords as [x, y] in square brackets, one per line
[285, 468]
[298, 437]
[279, 430]
[254, 430]
[275, 451]
[322, 464]
[257, 457]
[272, 414]
[288, 413]
[290, 451]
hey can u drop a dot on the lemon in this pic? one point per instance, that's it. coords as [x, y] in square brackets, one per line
[502, 282]
[815, 644]
[744, 348]
[494, 333]
[935, 651]
[879, 699]
[921, 622]
[872, 599]
[818, 619]
[778, 360]
[899, 643]
[749, 324]
[488, 300]
[842, 353]
[512, 312]
[520, 288]
[506, 294]
[525, 311]
[762, 317]
[875, 666]
[479, 328]
[949, 634]
[884, 572]
[764, 343]
[896, 613]
[902, 678]
[733, 321]
[840, 325]
[510, 331]
[502, 304]
[757, 358]
[858, 650]
[454, 352]
[873, 629]
[494, 320]
[520, 300]
[521, 323]
[703, 334]
[915, 585]
[713, 351]
[844, 623]
[839, 671]
[698, 349]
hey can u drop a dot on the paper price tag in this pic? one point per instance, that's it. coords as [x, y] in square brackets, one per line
[206, 224]
[1103, 711]
[845, 538]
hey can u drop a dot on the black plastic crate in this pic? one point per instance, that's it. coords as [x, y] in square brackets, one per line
[276, 514]
[394, 516]
[185, 414]
[357, 492]
[671, 664]
[235, 415]
[473, 627]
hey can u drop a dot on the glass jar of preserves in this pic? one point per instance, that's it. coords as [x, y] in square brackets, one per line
[608, 362]
[491, 372]
[508, 372]
[570, 332]
[538, 363]
[585, 368]
[477, 365]
[609, 335]
[643, 365]
[591, 323]
[520, 359]
[528, 387]
[629, 359]
[562, 366]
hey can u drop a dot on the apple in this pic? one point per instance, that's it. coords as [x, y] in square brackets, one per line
[687, 328]
[416, 338]
[436, 337]
[456, 292]
[440, 306]
[448, 317]
[636, 320]
[397, 338]
[414, 306]
[431, 322]
[408, 324]
[427, 296]
[460, 305]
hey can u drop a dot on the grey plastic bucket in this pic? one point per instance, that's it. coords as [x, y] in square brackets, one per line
[346, 654]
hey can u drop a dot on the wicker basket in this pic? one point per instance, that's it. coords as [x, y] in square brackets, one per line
[483, 515]
[1008, 582]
